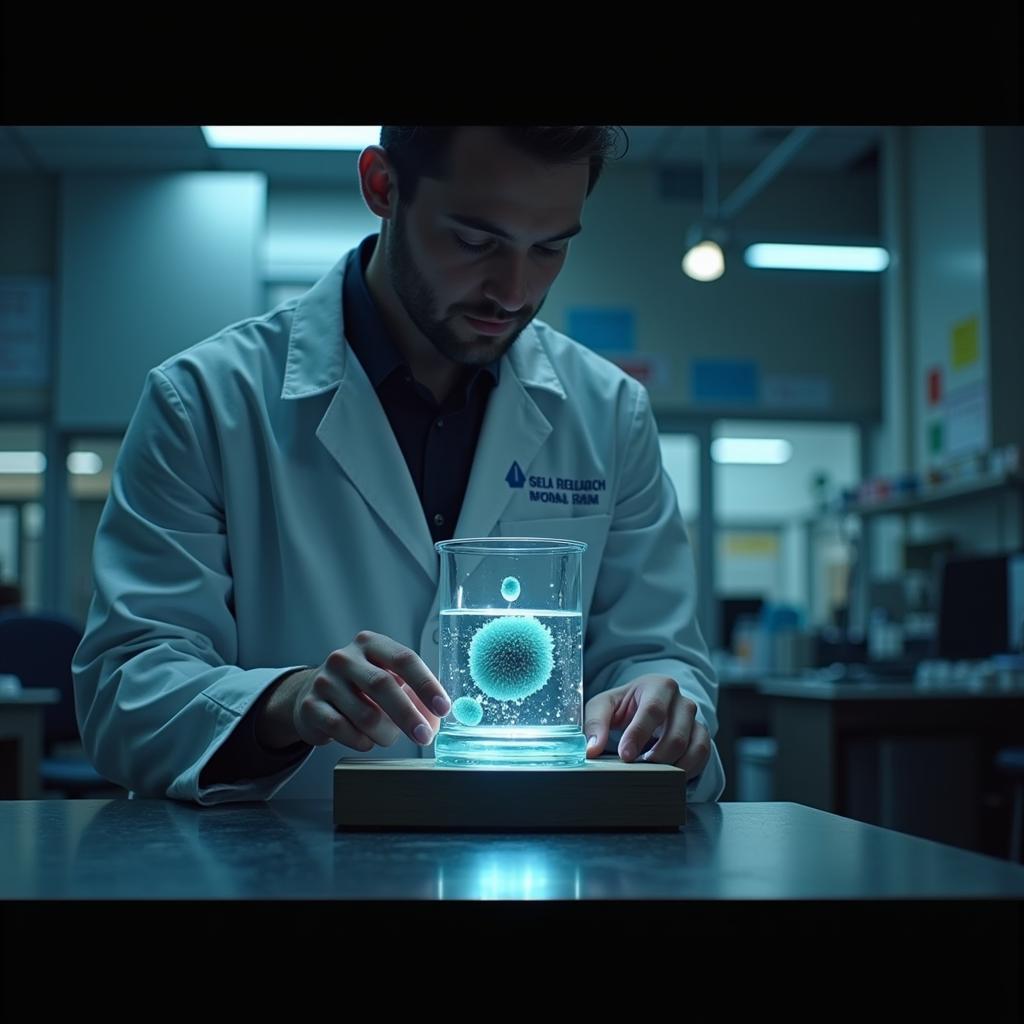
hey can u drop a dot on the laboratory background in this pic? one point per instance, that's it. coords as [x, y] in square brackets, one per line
[829, 321]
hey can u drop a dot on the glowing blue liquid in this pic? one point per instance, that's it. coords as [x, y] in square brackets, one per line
[544, 727]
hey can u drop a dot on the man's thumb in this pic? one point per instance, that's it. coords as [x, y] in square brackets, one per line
[595, 727]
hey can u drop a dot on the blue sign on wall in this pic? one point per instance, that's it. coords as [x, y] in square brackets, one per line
[604, 330]
[728, 381]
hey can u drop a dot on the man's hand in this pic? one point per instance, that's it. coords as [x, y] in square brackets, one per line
[365, 694]
[650, 706]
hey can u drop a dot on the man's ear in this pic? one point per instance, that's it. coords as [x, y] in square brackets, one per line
[378, 181]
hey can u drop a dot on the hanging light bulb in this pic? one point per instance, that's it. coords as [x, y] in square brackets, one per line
[704, 259]
[706, 240]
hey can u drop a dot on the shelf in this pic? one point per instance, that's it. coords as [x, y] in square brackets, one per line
[932, 497]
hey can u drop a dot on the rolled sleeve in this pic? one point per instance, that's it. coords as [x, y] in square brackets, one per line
[643, 615]
[157, 686]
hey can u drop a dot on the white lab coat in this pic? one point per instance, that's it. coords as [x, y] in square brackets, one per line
[261, 514]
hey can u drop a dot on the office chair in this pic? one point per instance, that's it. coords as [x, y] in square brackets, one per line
[38, 649]
[1010, 761]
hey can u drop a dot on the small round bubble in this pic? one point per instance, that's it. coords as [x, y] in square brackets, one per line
[467, 711]
[510, 589]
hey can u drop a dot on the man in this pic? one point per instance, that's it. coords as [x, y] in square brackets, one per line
[266, 581]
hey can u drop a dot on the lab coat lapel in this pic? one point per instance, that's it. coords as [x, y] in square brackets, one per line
[356, 431]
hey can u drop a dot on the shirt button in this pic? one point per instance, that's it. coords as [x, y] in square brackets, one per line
[439, 519]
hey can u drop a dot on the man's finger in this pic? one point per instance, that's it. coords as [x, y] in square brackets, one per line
[434, 720]
[598, 715]
[698, 753]
[325, 723]
[675, 737]
[651, 712]
[369, 718]
[369, 695]
[386, 653]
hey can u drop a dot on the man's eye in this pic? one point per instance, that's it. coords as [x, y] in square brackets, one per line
[471, 246]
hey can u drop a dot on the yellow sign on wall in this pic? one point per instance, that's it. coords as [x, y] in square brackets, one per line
[752, 545]
[964, 343]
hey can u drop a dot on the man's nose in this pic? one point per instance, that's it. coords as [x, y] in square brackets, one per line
[508, 285]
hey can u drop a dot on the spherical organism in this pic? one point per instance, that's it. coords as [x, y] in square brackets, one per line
[510, 589]
[511, 656]
[467, 711]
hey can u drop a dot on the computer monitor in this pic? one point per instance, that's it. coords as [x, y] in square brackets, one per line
[974, 612]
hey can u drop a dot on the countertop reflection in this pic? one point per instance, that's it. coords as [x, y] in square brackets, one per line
[289, 850]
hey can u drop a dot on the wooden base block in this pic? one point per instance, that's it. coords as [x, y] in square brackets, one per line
[413, 794]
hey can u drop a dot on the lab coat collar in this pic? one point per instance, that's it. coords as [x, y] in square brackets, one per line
[318, 352]
[356, 432]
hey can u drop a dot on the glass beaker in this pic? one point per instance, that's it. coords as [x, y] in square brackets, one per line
[511, 652]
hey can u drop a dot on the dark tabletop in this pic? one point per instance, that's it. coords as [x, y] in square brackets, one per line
[288, 850]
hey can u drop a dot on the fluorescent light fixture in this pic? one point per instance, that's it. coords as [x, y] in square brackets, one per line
[704, 262]
[22, 462]
[763, 451]
[773, 256]
[31, 463]
[291, 136]
[84, 463]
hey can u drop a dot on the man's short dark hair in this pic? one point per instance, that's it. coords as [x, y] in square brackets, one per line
[418, 151]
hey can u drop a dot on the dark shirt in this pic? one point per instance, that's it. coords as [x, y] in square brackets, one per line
[438, 440]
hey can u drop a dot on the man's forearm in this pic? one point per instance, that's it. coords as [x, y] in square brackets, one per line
[261, 743]
[275, 712]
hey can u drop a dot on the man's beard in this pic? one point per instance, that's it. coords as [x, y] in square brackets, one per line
[420, 303]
